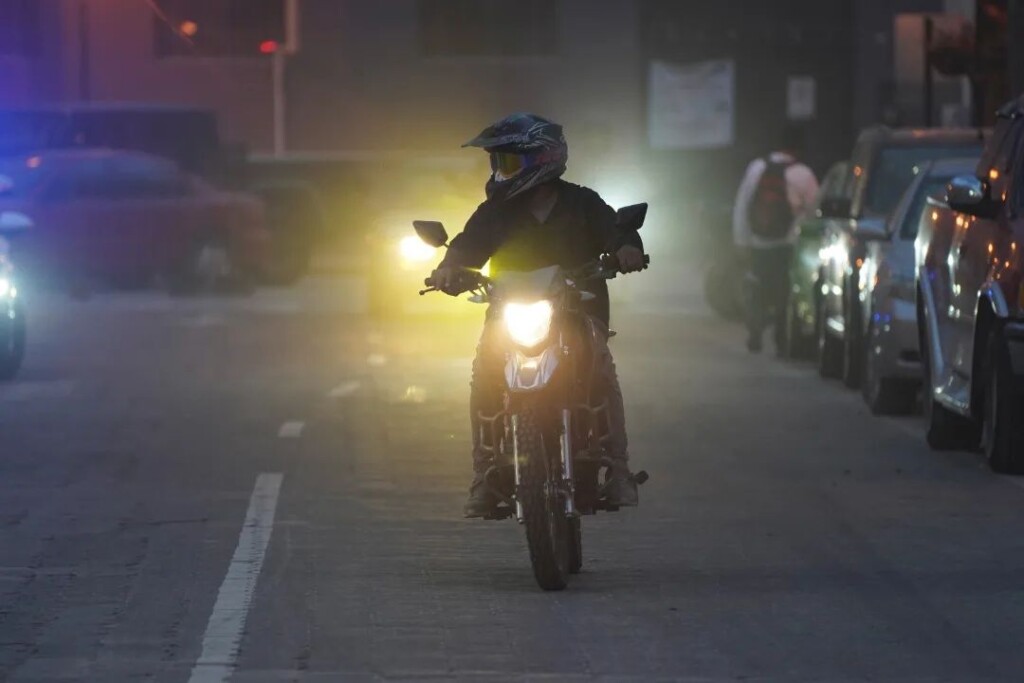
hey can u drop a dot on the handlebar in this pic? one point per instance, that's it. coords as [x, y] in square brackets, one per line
[606, 267]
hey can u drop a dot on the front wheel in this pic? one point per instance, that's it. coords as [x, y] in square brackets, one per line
[12, 347]
[798, 344]
[944, 429]
[830, 349]
[209, 266]
[884, 395]
[548, 532]
[1002, 432]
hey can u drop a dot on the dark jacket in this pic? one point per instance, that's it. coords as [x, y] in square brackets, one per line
[579, 229]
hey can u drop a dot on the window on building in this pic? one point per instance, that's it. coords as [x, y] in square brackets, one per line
[218, 28]
[19, 28]
[488, 28]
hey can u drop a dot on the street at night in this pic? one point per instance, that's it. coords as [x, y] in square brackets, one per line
[152, 445]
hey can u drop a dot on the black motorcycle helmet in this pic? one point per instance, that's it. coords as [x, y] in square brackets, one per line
[526, 151]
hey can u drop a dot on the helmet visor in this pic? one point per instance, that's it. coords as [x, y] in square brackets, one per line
[508, 164]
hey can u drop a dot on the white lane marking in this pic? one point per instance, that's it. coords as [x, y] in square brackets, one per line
[377, 360]
[291, 429]
[224, 629]
[344, 390]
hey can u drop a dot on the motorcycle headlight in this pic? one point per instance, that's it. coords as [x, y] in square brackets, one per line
[528, 324]
[415, 250]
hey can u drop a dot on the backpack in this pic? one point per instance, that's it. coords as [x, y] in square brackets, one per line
[770, 214]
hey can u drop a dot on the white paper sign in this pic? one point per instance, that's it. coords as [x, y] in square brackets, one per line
[801, 98]
[691, 105]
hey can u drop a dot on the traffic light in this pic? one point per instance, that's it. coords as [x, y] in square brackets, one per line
[220, 28]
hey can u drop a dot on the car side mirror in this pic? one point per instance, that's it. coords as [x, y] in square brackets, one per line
[835, 207]
[431, 232]
[631, 218]
[14, 223]
[871, 229]
[969, 194]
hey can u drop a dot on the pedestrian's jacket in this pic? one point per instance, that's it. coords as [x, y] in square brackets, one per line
[581, 227]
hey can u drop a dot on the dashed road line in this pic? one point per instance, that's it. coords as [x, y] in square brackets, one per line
[223, 634]
[344, 390]
[291, 430]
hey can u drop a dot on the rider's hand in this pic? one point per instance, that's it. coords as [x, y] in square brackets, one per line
[445, 278]
[630, 258]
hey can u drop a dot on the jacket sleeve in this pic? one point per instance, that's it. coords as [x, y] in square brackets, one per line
[475, 244]
[741, 233]
[601, 221]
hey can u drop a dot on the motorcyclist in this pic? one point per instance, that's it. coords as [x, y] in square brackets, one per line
[533, 219]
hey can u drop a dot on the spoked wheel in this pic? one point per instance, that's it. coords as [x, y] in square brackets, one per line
[548, 530]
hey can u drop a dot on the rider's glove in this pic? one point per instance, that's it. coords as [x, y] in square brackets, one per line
[446, 279]
[630, 258]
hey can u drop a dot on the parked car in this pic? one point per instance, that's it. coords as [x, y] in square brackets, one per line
[127, 216]
[892, 359]
[805, 269]
[971, 304]
[883, 161]
[12, 315]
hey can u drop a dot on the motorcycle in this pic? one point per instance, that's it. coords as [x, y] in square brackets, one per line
[548, 443]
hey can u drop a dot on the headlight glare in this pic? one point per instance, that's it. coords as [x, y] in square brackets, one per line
[415, 250]
[528, 324]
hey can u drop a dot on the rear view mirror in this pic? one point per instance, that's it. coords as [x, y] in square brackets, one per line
[431, 232]
[968, 194]
[835, 207]
[631, 218]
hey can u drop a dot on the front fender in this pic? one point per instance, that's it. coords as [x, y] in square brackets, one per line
[529, 373]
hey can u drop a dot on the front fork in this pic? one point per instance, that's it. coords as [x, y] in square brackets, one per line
[568, 482]
[568, 487]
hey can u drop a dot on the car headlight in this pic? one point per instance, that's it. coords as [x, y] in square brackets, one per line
[7, 289]
[415, 250]
[528, 324]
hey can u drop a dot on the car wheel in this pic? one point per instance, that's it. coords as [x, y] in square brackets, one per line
[853, 345]
[796, 341]
[885, 395]
[292, 255]
[830, 350]
[1002, 431]
[12, 349]
[209, 267]
[944, 429]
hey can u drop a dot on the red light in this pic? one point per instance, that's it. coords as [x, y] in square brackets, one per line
[268, 47]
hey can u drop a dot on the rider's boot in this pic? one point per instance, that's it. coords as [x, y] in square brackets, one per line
[481, 501]
[620, 488]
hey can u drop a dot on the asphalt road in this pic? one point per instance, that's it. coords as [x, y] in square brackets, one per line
[268, 489]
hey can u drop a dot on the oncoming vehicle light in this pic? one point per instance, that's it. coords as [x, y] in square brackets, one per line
[415, 250]
[7, 288]
[528, 324]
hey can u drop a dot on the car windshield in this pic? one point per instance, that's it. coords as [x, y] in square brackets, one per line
[933, 186]
[19, 177]
[895, 171]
